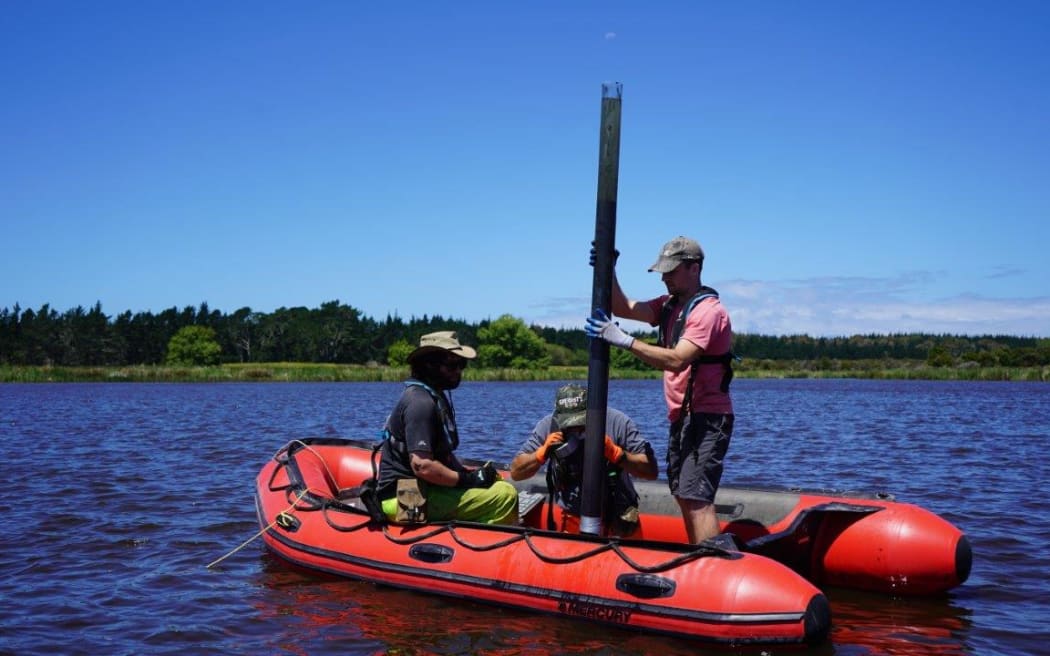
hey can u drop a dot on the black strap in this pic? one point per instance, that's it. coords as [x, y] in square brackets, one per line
[612, 483]
[669, 340]
[726, 360]
[550, 498]
[375, 452]
[446, 411]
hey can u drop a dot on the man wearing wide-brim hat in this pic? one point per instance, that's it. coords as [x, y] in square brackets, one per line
[422, 438]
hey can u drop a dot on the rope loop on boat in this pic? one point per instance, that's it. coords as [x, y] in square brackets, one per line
[283, 457]
[438, 530]
[666, 565]
[445, 527]
[314, 502]
[341, 507]
[568, 559]
[488, 547]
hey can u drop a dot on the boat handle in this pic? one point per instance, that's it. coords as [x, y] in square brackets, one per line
[431, 553]
[645, 586]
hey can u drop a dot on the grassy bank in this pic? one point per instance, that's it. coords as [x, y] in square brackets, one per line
[287, 372]
[266, 372]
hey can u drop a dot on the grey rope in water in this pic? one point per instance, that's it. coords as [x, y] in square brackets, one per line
[289, 509]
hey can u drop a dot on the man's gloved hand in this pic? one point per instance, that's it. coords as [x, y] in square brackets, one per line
[483, 476]
[594, 255]
[614, 453]
[554, 440]
[600, 326]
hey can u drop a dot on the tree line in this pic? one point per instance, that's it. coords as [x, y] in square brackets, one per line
[339, 333]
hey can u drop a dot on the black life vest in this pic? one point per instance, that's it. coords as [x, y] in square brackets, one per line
[369, 491]
[445, 412]
[398, 444]
[668, 339]
[566, 472]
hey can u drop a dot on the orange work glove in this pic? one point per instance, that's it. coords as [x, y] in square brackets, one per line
[553, 441]
[613, 453]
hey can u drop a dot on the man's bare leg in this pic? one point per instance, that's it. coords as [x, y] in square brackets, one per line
[700, 520]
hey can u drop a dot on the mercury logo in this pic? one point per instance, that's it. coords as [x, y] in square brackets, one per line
[594, 611]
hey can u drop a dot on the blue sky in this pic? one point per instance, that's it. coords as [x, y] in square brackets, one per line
[849, 168]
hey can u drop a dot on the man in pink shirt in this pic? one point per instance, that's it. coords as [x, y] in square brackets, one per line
[694, 352]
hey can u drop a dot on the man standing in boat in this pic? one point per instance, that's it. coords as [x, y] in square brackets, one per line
[558, 438]
[694, 352]
[422, 438]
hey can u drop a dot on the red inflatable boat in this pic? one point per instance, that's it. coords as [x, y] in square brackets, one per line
[701, 592]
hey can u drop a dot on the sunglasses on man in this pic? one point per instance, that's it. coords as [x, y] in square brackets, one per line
[454, 362]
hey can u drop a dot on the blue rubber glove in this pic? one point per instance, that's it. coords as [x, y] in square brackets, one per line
[600, 326]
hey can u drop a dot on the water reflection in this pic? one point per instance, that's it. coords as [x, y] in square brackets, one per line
[905, 626]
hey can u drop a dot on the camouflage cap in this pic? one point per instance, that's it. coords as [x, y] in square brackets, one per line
[570, 407]
[676, 251]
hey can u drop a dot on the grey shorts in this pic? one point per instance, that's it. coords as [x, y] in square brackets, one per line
[695, 451]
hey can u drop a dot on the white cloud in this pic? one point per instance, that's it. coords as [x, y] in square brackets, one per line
[845, 306]
[826, 307]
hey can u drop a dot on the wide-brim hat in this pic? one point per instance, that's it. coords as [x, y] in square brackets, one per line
[445, 340]
[570, 407]
[676, 251]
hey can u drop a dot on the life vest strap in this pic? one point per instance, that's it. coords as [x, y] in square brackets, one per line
[725, 360]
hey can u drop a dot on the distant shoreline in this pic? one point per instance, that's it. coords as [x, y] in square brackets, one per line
[295, 372]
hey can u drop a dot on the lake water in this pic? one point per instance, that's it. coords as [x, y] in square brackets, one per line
[118, 496]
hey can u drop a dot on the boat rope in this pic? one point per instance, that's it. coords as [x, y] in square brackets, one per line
[281, 516]
[324, 503]
[612, 544]
[309, 448]
[477, 547]
[666, 565]
[317, 500]
[567, 559]
[342, 507]
[438, 530]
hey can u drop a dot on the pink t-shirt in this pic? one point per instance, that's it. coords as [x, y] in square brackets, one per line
[708, 327]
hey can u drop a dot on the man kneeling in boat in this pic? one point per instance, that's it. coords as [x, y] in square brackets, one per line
[422, 437]
[558, 437]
